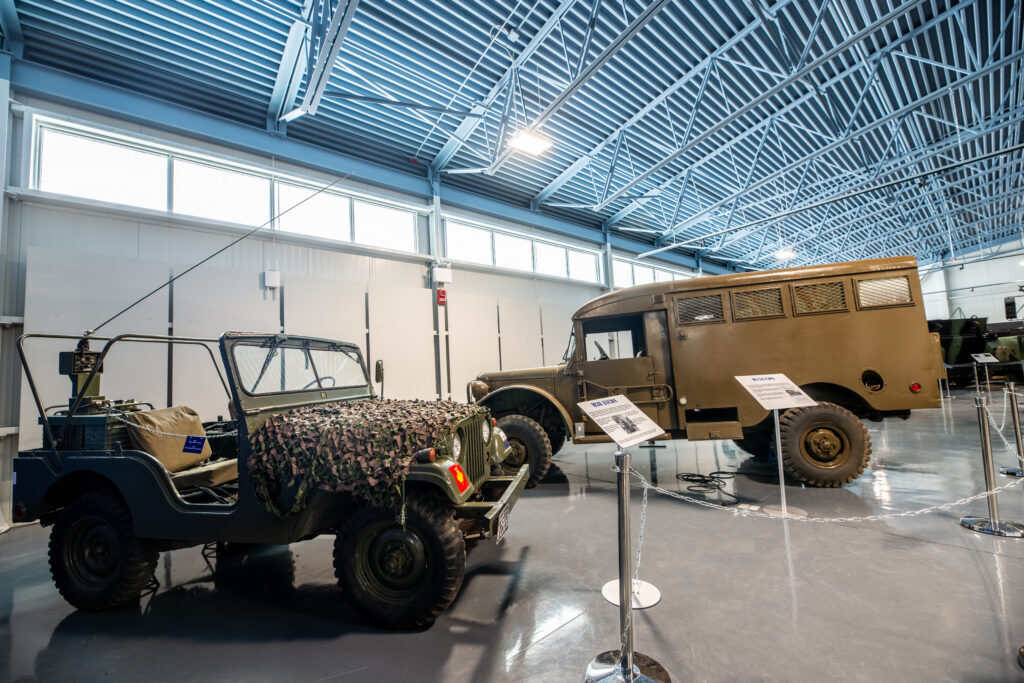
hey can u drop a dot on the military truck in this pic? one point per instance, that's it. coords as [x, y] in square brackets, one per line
[852, 335]
[120, 481]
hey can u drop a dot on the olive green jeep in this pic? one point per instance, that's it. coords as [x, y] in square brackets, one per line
[309, 450]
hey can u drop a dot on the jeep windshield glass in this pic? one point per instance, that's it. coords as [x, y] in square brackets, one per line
[276, 368]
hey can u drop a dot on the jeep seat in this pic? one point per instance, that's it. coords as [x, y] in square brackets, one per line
[211, 474]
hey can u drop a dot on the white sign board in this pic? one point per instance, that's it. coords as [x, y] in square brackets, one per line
[775, 391]
[626, 424]
[984, 358]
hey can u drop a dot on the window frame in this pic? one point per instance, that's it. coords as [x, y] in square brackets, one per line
[846, 297]
[721, 297]
[862, 307]
[782, 304]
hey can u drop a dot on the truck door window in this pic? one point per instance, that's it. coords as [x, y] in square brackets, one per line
[614, 338]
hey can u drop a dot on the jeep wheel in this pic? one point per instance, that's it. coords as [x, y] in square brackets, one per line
[401, 578]
[824, 445]
[530, 445]
[96, 560]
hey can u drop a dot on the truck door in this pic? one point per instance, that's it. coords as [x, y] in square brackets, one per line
[621, 356]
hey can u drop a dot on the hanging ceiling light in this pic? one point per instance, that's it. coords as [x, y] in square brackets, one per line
[527, 141]
[785, 253]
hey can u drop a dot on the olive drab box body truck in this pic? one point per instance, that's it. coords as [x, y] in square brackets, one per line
[852, 335]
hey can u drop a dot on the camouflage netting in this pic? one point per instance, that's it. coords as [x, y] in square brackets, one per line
[362, 447]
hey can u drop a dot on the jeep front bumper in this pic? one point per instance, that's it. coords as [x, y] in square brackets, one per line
[499, 497]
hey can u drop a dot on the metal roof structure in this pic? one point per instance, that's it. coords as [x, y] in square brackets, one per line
[731, 131]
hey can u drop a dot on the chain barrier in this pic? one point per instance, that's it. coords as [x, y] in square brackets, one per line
[118, 415]
[999, 430]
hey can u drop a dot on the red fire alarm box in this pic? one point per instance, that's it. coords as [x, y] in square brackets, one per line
[442, 297]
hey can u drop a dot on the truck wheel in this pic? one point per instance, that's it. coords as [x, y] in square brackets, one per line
[557, 439]
[824, 445]
[401, 578]
[96, 560]
[530, 445]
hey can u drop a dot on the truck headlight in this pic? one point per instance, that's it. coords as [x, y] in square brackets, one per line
[478, 389]
[456, 446]
[485, 430]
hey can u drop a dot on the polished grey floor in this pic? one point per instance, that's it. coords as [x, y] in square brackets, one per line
[744, 598]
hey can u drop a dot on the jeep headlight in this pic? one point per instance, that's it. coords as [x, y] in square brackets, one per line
[456, 445]
[485, 430]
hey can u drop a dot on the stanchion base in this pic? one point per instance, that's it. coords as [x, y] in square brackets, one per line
[644, 594]
[1011, 471]
[985, 526]
[791, 511]
[605, 668]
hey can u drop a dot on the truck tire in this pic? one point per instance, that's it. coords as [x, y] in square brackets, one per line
[401, 578]
[557, 439]
[530, 445]
[824, 445]
[96, 560]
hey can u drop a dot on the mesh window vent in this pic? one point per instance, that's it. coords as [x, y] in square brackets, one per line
[761, 303]
[700, 309]
[827, 296]
[886, 291]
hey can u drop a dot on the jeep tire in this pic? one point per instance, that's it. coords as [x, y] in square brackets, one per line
[401, 578]
[96, 560]
[824, 445]
[530, 445]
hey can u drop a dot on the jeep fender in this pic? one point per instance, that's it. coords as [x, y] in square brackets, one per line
[516, 395]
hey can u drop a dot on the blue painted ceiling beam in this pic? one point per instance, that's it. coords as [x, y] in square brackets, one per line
[14, 40]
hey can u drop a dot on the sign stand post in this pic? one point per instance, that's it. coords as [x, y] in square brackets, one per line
[627, 425]
[776, 392]
[1015, 413]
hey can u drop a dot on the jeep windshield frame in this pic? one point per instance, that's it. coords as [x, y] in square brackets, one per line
[253, 403]
[319, 363]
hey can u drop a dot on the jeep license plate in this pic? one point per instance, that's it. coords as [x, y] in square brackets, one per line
[502, 524]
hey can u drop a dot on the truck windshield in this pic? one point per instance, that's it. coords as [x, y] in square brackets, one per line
[275, 368]
[570, 349]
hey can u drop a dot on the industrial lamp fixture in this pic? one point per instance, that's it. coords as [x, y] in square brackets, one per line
[785, 253]
[526, 140]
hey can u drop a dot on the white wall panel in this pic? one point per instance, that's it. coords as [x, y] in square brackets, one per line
[402, 335]
[557, 304]
[933, 287]
[472, 337]
[67, 293]
[520, 333]
[319, 307]
[208, 302]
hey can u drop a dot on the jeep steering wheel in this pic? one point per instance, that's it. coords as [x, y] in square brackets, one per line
[321, 379]
[604, 354]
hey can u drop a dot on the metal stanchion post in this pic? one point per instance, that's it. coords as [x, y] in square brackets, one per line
[977, 384]
[992, 525]
[988, 386]
[624, 664]
[1015, 471]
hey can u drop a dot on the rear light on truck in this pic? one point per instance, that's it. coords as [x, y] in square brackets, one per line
[916, 388]
[18, 512]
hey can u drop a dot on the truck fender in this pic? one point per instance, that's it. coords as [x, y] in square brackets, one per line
[511, 396]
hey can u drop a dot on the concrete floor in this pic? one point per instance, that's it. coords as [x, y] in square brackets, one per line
[744, 599]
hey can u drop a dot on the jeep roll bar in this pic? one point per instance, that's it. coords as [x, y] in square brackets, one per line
[55, 458]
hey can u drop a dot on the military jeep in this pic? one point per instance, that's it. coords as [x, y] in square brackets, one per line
[852, 335]
[120, 481]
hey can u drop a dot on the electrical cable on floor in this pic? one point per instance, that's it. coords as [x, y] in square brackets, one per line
[710, 483]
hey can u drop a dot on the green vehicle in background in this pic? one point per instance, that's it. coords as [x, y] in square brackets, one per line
[308, 450]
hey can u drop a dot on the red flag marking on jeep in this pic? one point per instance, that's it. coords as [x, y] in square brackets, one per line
[460, 477]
